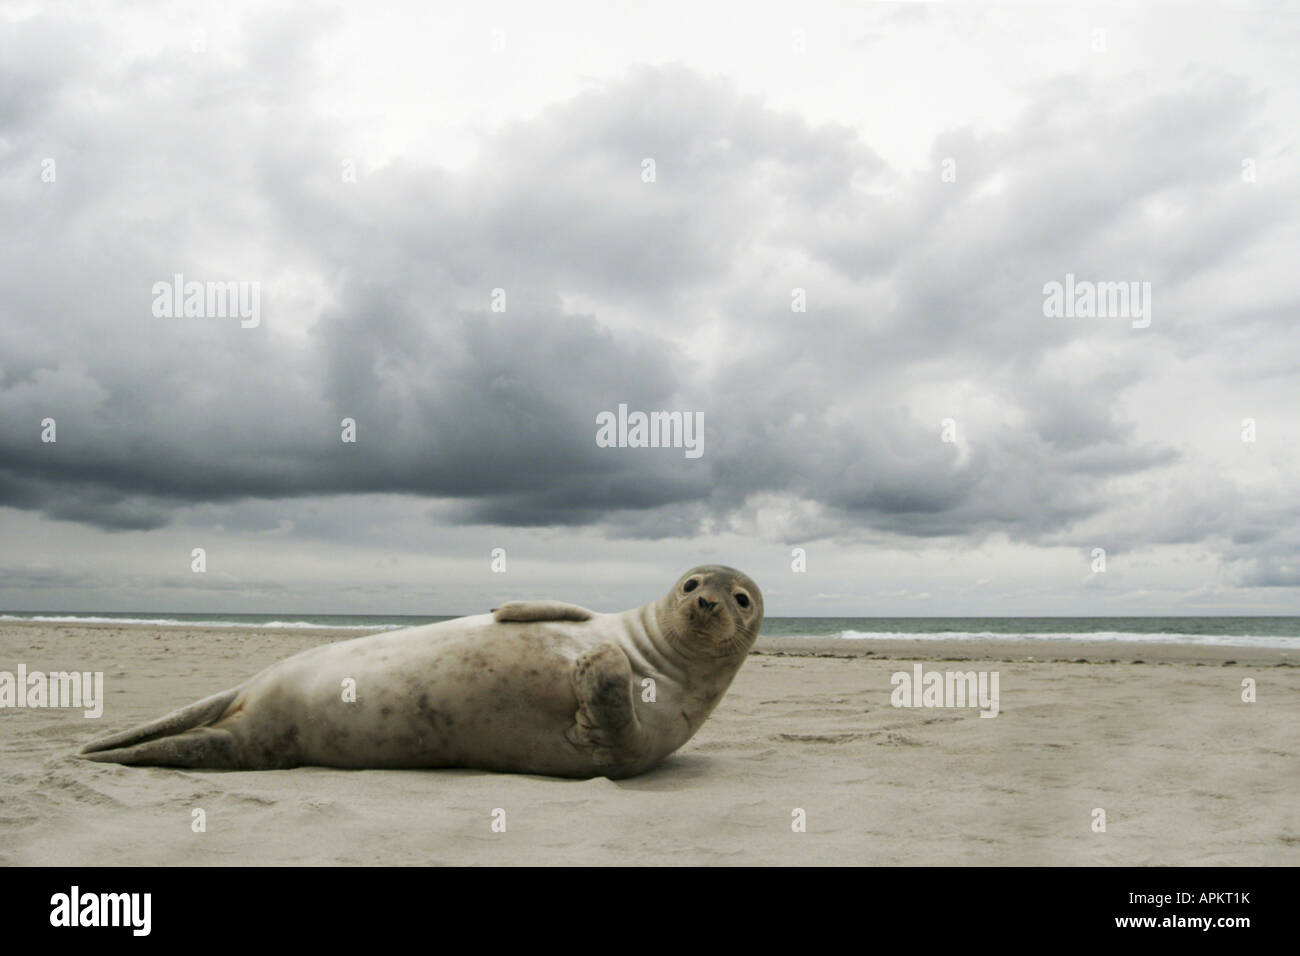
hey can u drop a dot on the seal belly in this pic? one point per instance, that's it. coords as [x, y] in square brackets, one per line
[454, 700]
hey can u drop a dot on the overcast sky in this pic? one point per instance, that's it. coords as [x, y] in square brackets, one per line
[920, 171]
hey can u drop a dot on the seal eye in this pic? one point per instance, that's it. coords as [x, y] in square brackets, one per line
[690, 585]
[742, 599]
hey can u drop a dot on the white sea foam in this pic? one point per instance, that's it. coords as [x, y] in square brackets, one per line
[1096, 637]
[172, 622]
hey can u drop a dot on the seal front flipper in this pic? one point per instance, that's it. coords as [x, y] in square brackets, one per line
[524, 611]
[605, 724]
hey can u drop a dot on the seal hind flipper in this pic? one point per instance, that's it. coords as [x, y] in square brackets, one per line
[523, 611]
[198, 747]
[206, 711]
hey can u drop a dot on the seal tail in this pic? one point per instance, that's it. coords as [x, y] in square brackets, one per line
[179, 739]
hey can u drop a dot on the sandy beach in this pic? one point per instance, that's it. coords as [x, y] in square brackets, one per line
[1156, 736]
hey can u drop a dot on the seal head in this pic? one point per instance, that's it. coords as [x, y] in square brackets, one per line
[713, 611]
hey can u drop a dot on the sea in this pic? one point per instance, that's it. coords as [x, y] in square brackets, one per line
[1283, 632]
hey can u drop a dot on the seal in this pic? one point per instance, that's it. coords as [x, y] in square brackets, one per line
[538, 687]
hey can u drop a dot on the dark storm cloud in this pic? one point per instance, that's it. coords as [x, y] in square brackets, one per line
[224, 174]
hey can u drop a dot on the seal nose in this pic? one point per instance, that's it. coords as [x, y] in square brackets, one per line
[706, 604]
